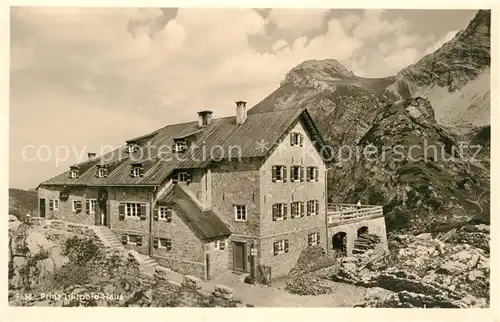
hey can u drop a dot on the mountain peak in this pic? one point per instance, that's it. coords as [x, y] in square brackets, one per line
[317, 73]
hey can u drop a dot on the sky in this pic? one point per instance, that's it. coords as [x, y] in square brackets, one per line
[87, 79]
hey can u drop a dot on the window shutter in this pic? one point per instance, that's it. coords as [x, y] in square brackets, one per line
[78, 206]
[106, 172]
[274, 212]
[293, 209]
[301, 138]
[316, 174]
[317, 238]
[121, 211]
[301, 173]
[291, 139]
[274, 173]
[309, 208]
[156, 214]
[309, 240]
[286, 245]
[156, 242]
[222, 244]
[141, 172]
[173, 147]
[143, 211]
[302, 209]
[169, 244]
[124, 239]
[285, 211]
[188, 177]
[276, 248]
[97, 172]
[87, 206]
[51, 205]
[169, 215]
[317, 207]
[132, 171]
[285, 174]
[139, 240]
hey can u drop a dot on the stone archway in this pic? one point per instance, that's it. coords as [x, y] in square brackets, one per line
[339, 242]
[362, 231]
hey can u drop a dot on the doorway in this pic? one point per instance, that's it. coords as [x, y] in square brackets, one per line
[239, 256]
[102, 213]
[42, 207]
[339, 242]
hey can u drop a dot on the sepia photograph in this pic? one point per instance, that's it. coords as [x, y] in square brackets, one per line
[249, 158]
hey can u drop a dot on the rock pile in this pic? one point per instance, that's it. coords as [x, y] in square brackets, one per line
[224, 292]
[308, 284]
[191, 283]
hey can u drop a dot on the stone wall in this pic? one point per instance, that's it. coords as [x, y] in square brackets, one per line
[375, 226]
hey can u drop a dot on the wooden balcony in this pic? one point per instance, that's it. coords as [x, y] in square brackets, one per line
[341, 214]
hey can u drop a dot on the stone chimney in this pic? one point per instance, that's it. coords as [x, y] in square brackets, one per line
[204, 118]
[241, 112]
[91, 155]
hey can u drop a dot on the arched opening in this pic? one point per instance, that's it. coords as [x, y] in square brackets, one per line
[362, 231]
[339, 242]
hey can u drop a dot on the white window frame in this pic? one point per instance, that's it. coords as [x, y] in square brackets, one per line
[297, 209]
[72, 174]
[281, 246]
[314, 239]
[312, 206]
[137, 171]
[132, 210]
[92, 206]
[162, 213]
[73, 204]
[55, 205]
[279, 209]
[218, 243]
[100, 172]
[131, 242]
[180, 146]
[166, 241]
[279, 173]
[241, 211]
[311, 170]
[180, 176]
[131, 148]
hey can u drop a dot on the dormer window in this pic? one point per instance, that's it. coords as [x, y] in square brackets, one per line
[183, 176]
[137, 171]
[101, 172]
[180, 146]
[74, 173]
[131, 147]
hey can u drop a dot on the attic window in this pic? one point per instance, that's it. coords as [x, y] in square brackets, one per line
[180, 146]
[137, 171]
[74, 173]
[132, 147]
[296, 139]
[101, 172]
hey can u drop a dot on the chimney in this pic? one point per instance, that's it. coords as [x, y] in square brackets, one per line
[91, 155]
[204, 118]
[241, 112]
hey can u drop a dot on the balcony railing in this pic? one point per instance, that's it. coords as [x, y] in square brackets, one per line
[345, 213]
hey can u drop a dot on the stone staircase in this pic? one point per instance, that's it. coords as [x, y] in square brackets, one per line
[109, 240]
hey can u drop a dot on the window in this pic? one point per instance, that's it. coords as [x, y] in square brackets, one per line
[180, 146]
[220, 244]
[183, 177]
[132, 239]
[297, 209]
[279, 173]
[313, 239]
[312, 207]
[73, 173]
[296, 173]
[132, 148]
[165, 243]
[240, 212]
[54, 205]
[101, 172]
[137, 171]
[92, 206]
[280, 247]
[132, 209]
[279, 211]
[295, 139]
[165, 213]
[312, 174]
[76, 206]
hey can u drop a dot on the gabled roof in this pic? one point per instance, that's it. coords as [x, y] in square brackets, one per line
[236, 141]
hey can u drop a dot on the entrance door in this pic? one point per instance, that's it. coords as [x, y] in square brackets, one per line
[239, 256]
[42, 207]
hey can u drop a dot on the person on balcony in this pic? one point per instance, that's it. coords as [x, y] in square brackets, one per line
[358, 205]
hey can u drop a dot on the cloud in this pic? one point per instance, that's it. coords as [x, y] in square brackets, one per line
[298, 22]
[100, 76]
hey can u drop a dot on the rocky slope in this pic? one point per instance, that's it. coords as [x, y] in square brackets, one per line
[414, 167]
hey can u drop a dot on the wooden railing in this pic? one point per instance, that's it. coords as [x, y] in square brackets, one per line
[341, 213]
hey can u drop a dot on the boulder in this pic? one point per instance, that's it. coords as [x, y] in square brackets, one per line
[452, 268]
